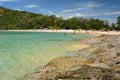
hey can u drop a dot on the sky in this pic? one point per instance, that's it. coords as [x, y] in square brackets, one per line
[102, 9]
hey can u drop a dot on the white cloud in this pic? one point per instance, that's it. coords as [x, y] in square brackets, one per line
[93, 5]
[31, 6]
[72, 10]
[79, 15]
[8, 0]
[89, 5]
[50, 12]
[69, 15]
[113, 13]
[18, 9]
[76, 15]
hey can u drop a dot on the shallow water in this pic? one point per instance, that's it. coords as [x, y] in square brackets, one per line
[23, 52]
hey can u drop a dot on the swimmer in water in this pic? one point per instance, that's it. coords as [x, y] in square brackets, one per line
[65, 33]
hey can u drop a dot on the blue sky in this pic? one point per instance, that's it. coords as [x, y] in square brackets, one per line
[103, 9]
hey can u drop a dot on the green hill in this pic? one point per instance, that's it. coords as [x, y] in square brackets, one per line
[13, 19]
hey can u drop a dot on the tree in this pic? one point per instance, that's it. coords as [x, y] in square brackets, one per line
[11, 19]
[112, 26]
[106, 25]
[118, 23]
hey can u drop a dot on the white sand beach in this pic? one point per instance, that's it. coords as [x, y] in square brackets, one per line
[71, 31]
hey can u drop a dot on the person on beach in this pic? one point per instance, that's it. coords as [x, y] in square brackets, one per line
[74, 33]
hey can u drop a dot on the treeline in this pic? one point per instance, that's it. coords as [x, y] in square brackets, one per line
[10, 19]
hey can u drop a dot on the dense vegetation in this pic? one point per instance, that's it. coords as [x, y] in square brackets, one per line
[11, 19]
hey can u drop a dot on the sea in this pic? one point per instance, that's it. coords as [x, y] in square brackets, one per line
[22, 53]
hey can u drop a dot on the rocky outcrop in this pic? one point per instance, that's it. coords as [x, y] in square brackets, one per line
[78, 72]
[99, 61]
[103, 49]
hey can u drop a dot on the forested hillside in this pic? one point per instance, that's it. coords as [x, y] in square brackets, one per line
[13, 19]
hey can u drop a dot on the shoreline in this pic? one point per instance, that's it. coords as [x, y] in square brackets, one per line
[100, 58]
[70, 31]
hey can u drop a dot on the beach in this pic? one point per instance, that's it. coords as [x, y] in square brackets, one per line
[59, 40]
[90, 53]
[98, 61]
[71, 31]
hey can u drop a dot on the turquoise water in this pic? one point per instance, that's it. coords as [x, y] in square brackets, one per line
[23, 52]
